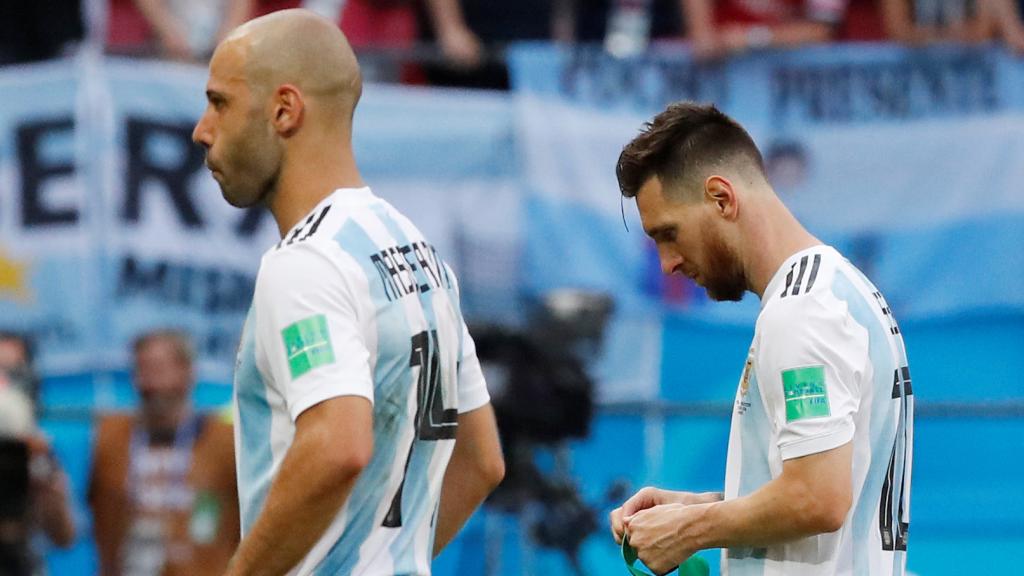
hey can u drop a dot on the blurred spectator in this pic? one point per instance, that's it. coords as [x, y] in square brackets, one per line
[471, 33]
[163, 481]
[863, 22]
[32, 30]
[590, 19]
[967, 21]
[187, 30]
[724, 27]
[38, 506]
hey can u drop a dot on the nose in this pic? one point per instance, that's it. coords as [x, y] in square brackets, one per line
[201, 134]
[670, 260]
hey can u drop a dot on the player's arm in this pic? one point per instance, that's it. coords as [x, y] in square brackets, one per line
[475, 469]
[310, 342]
[811, 358]
[811, 496]
[333, 442]
[477, 464]
[649, 497]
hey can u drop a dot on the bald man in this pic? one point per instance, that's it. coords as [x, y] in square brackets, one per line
[817, 478]
[364, 432]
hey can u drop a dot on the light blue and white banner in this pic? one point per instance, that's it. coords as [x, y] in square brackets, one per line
[909, 161]
[110, 224]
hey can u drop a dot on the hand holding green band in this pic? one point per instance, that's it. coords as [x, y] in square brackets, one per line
[695, 566]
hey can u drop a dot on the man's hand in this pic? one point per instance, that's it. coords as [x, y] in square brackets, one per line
[650, 497]
[665, 535]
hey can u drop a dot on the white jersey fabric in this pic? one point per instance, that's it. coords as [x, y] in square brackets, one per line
[827, 366]
[354, 301]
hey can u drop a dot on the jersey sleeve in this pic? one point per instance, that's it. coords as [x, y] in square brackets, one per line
[309, 329]
[472, 387]
[812, 357]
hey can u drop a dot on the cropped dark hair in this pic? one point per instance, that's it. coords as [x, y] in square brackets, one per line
[26, 341]
[178, 338]
[681, 143]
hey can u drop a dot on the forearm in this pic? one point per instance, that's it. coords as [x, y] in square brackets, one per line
[58, 523]
[302, 502]
[699, 18]
[160, 18]
[236, 13]
[780, 511]
[800, 33]
[461, 494]
[476, 467]
[445, 15]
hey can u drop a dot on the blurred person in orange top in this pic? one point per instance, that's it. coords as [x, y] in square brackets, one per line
[34, 493]
[162, 488]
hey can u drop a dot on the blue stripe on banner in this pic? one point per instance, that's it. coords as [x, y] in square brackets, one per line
[392, 383]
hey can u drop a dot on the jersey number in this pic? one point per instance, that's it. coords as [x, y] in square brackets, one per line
[433, 421]
[895, 490]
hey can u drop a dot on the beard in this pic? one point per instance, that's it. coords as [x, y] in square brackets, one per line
[723, 276]
[250, 170]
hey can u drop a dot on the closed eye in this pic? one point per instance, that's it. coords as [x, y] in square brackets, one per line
[663, 234]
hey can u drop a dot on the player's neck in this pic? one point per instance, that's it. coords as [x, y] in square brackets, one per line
[304, 184]
[775, 237]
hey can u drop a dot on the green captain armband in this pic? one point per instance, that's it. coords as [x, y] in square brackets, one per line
[694, 566]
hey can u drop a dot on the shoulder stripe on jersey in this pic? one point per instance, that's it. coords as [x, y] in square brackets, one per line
[789, 280]
[310, 227]
[814, 273]
[800, 276]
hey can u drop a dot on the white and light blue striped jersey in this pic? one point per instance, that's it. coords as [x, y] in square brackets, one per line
[826, 367]
[354, 301]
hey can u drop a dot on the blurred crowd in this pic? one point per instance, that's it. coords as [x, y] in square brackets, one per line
[460, 42]
[161, 487]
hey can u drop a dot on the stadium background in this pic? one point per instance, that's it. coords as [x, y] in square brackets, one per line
[907, 160]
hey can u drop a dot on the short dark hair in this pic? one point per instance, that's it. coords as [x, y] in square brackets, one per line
[178, 338]
[681, 143]
[27, 344]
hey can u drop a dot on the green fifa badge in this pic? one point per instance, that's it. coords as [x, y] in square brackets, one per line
[805, 392]
[308, 345]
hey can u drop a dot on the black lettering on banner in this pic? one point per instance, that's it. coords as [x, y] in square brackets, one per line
[938, 85]
[433, 420]
[136, 277]
[210, 289]
[175, 178]
[35, 170]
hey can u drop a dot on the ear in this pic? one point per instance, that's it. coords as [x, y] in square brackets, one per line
[719, 191]
[289, 110]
